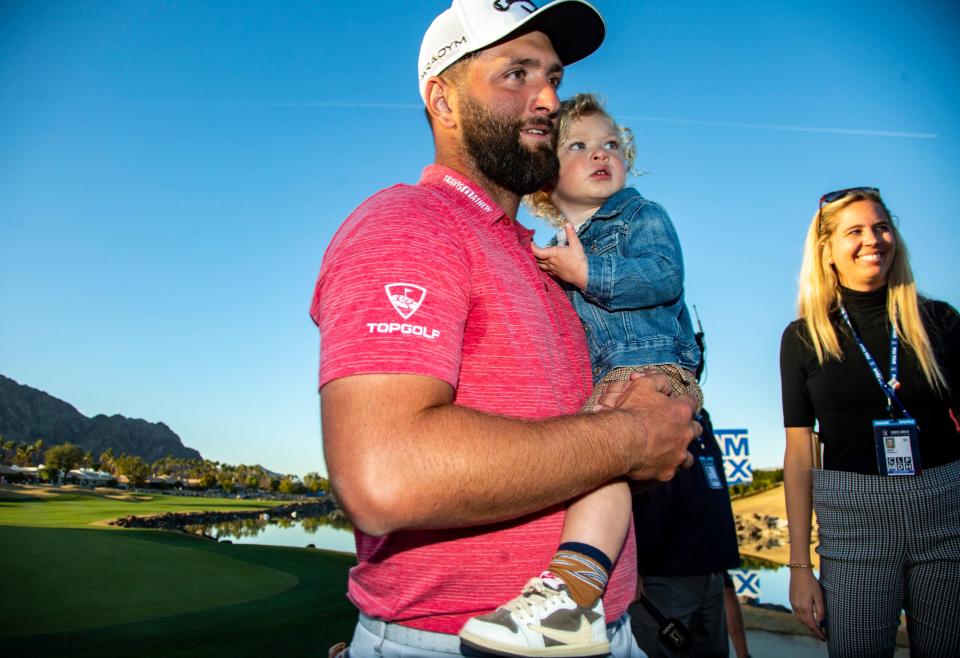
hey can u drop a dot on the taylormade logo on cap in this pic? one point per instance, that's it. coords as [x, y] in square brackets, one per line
[575, 28]
[446, 51]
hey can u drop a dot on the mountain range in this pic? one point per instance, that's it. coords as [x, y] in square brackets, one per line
[28, 414]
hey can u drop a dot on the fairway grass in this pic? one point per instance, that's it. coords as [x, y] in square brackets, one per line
[77, 508]
[107, 578]
[70, 588]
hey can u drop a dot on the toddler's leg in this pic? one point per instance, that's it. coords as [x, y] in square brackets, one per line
[539, 622]
[593, 534]
[595, 525]
[560, 614]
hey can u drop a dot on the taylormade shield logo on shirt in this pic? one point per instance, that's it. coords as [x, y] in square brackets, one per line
[406, 299]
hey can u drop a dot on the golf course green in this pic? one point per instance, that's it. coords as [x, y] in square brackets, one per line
[75, 586]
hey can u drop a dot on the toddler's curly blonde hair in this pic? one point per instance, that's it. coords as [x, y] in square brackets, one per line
[571, 110]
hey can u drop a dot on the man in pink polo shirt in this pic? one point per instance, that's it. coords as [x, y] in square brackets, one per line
[452, 369]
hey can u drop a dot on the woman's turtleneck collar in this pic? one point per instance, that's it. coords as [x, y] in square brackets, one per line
[865, 305]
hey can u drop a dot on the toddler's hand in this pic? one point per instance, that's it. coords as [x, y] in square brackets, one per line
[566, 263]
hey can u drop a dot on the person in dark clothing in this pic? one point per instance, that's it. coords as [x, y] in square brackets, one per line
[686, 540]
[875, 366]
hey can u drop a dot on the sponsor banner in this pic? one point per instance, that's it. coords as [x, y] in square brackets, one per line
[735, 445]
[746, 582]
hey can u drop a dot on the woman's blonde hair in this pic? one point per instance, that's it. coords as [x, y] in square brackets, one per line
[572, 110]
[820, 289]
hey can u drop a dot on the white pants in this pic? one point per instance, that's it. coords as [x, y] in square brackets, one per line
[366, 644]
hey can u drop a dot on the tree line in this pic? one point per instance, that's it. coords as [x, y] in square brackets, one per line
[763, 479]
[195, 473]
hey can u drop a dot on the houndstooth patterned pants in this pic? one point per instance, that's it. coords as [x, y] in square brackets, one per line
[886, 544]
[682, 381]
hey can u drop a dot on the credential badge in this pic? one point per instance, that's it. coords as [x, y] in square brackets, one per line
[405, 297]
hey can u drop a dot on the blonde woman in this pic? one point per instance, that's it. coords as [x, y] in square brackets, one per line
[875, 367]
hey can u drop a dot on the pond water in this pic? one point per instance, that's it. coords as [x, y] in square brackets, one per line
[332, 535]
[769, 581]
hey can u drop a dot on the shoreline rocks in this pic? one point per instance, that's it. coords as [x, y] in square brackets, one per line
[178, 521]
[757, 532]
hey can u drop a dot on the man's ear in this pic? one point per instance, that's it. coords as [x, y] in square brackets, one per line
[440, 102]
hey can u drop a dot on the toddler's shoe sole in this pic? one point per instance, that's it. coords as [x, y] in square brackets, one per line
[486, 645]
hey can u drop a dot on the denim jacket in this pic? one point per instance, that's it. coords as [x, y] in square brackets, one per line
[632, 310]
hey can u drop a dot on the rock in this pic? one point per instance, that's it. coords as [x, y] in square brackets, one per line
[178, 521]
[765, 531]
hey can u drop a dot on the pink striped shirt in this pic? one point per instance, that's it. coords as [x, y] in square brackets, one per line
[434, 279]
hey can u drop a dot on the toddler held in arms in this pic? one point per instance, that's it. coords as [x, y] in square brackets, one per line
[619, 258]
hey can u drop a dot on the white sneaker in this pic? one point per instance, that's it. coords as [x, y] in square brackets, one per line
[542, 621]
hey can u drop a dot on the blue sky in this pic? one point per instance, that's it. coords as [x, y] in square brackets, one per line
[171, 173]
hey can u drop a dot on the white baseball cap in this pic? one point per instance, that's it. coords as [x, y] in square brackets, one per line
[575, 28]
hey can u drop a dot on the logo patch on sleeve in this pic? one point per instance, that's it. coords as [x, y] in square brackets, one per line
[406, 298]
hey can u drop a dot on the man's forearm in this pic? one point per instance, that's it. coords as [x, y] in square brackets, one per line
[456, 467]
[449, 466]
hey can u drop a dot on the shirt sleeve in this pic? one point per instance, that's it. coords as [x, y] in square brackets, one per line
[394, 291]
[798, 408]
[943, 328]
[952, 345]
[647, 271]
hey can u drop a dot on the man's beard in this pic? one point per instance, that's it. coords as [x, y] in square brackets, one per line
[494, 145]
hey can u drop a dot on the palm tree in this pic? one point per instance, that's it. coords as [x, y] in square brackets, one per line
[8, 450]
[108, 462]
[24, 455]
[37, 451]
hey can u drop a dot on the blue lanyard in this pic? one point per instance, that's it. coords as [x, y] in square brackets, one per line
[889, 387]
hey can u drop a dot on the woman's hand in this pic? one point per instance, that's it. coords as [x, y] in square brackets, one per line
[806, 598]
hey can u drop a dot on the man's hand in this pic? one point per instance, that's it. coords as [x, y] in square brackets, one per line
[666, 422]
[565, 263]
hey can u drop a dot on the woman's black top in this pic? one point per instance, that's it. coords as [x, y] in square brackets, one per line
[844, 396]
